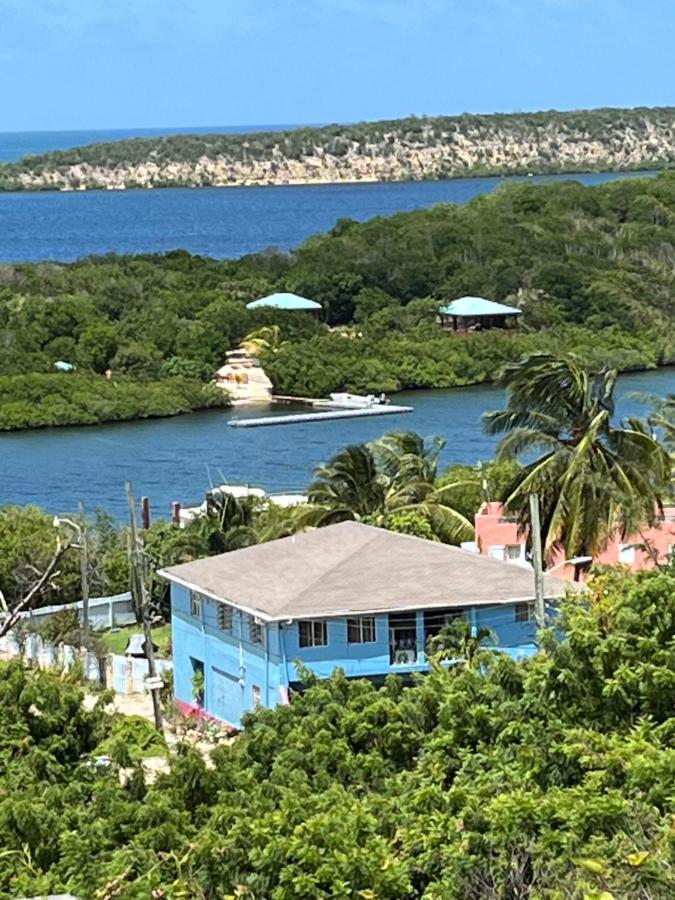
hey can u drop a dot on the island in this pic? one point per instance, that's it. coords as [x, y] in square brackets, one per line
[410, 149]
[553, 268]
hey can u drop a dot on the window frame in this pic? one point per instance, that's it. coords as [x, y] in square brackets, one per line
[315, 633]
[628, 549]
[225, 617]
[256, 634]
[526, 606]
[196, 605]
[361, 624]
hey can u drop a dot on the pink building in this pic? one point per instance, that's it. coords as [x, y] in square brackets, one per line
[497, 535]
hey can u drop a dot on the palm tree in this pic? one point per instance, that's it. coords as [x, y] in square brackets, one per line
[264, 340]
[374, 482]
[348, 487]
[592, 476]
[663, 418]
[461, 642]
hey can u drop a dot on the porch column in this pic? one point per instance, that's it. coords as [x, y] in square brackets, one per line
[419, 635]
[473, 620]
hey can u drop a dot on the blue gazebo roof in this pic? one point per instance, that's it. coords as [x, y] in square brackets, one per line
[283, 301]
[474, 307]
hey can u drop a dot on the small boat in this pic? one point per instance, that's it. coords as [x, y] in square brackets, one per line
[351, 401]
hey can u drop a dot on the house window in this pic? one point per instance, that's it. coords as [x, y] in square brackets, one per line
[195, 605]
[361, 630]
[255, 631]
[524, 612]
[512, 551]
[255, 696]
[626, 553]
[313, 633]
[225, 614]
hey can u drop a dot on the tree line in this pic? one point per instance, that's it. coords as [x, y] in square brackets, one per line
[543, 142]
[590, 268]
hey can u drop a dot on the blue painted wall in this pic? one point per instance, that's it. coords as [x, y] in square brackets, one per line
[236, 670]
[234, 667]
[502, 620]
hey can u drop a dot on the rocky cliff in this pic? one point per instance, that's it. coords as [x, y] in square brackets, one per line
[399, 150]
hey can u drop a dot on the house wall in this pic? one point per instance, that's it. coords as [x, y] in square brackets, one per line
[356, 659]
[494, 533]
[501, 619]
[234, 667]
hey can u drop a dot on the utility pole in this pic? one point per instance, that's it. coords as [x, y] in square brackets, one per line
[84, 577]
[537, 562]
[137, 575]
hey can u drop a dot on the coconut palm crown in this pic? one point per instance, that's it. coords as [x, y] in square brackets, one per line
[594, 476]
[378, 481]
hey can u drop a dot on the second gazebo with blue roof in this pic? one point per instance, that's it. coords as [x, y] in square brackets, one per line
[286, 302]
[478, 314]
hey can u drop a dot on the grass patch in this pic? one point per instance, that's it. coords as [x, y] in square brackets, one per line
[116, 641]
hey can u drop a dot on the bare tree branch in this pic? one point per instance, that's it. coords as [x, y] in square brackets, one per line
[34, 592]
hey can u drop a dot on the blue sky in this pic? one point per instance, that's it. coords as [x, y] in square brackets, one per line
[132, 63]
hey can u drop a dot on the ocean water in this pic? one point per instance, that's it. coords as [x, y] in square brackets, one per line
[176, 459]
[217, 222]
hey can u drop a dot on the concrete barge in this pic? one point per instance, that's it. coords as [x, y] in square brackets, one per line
[301, 418]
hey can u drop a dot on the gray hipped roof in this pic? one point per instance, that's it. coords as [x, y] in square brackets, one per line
[350, 568]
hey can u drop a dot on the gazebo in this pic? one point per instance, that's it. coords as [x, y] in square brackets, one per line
[286, 302]
[477, 314]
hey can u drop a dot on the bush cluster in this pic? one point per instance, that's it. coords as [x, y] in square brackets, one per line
[38, 400]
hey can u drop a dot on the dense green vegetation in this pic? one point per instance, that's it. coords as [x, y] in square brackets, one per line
[34, 401]
[591, 268]
[548, 778]
[410, 148]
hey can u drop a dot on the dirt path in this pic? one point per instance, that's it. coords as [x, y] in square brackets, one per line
[141, 705]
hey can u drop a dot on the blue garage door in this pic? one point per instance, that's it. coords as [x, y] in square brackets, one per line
[225, 700]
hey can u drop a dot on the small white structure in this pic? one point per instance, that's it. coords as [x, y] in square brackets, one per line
[241, 492]
[351, 401]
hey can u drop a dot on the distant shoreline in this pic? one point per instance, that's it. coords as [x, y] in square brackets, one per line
[645, 172]
[411, 149]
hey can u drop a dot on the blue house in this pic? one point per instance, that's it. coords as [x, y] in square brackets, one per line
[348, 595]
